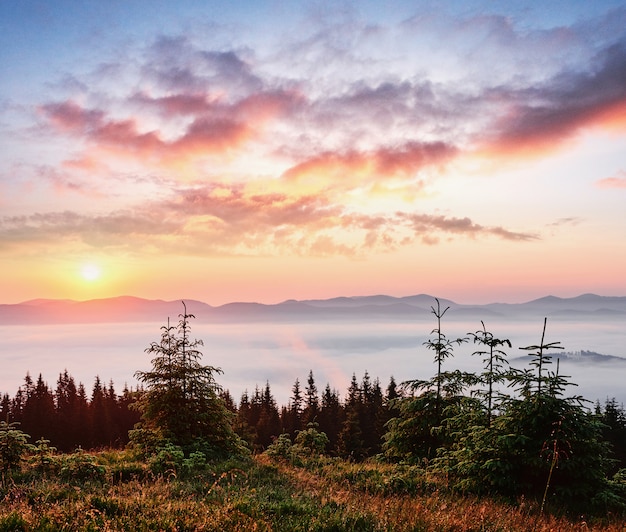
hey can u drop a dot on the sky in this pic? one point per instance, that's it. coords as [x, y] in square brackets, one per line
[264, 151]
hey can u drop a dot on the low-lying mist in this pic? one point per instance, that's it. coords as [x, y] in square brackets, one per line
[252, 354]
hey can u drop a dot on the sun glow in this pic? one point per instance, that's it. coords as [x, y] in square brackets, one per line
[90, 272]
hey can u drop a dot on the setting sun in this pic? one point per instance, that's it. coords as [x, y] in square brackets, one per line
[90, 272]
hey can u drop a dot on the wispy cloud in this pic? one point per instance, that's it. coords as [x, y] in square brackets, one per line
[222, 220]
[427, 225]
[616, 181]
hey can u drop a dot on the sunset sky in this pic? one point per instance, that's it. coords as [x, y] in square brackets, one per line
[262, 151]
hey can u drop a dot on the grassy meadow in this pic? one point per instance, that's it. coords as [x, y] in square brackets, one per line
[112, 490]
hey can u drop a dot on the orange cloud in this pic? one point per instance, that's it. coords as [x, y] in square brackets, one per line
[360, 167]
[225, 220]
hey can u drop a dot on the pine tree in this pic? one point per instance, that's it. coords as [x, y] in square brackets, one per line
[541, 445]
[181, 401]
[293, 422]
[268, 426]
[66, 399]
[311, 401]
[614, 419]
[242, 424]
[83, 418]
[39, 410]
[351, 442]
[418, 432]
[5, 408]
[331, 417]
[494, 360]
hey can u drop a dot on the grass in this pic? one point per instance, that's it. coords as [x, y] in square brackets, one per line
[259, 494]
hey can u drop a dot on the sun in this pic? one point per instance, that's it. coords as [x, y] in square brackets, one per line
[90, 272]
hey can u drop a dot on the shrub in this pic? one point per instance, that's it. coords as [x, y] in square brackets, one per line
[167, 461]
[81, 466]
[281, 447]
[13, 446]
[43, 457]
[311, 442]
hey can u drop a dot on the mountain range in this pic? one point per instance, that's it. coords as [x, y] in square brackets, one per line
[378, 307]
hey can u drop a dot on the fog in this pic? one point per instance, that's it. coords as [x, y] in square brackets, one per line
[251, 354]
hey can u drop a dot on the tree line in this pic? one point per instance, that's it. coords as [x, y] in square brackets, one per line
[70, 417]
[355, 424]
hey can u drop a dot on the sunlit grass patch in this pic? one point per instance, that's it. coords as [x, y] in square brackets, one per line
[322, 494]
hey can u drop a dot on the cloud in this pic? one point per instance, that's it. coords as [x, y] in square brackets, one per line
[122, 229]
[616, 181]
[536, 119]
[124, 137]
[282, 163]
[351, 169]
[198, 105]
[572, 220]
[424, 225]
[176, 65]
[212, 128]
[229, 220]
[63, 182]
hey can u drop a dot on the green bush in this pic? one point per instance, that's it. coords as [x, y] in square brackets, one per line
[43, 459]
[167, 461]
[13, 446]
[80, 467]
[311, 441]
[281, 447]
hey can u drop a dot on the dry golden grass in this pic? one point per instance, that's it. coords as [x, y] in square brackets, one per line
[264, 495]
[436, 511]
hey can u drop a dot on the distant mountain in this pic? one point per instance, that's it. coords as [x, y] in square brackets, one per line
[116, 309]
[552, 306]
[380, 307]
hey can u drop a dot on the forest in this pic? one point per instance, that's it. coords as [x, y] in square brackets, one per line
[510, 434]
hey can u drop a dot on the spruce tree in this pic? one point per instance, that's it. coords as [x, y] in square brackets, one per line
[418, 431]
[331, 417]
[311, 401]
[181, 402]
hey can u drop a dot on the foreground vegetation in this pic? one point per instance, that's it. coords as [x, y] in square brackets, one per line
[113, 490]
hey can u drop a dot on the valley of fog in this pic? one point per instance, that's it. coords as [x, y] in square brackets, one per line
[252, 353]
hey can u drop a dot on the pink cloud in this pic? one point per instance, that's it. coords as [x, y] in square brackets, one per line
[617, 181]
[70, 117]
[203, 135]
[228, 220]
[215, 127]
[383, 162]
[540, 119]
